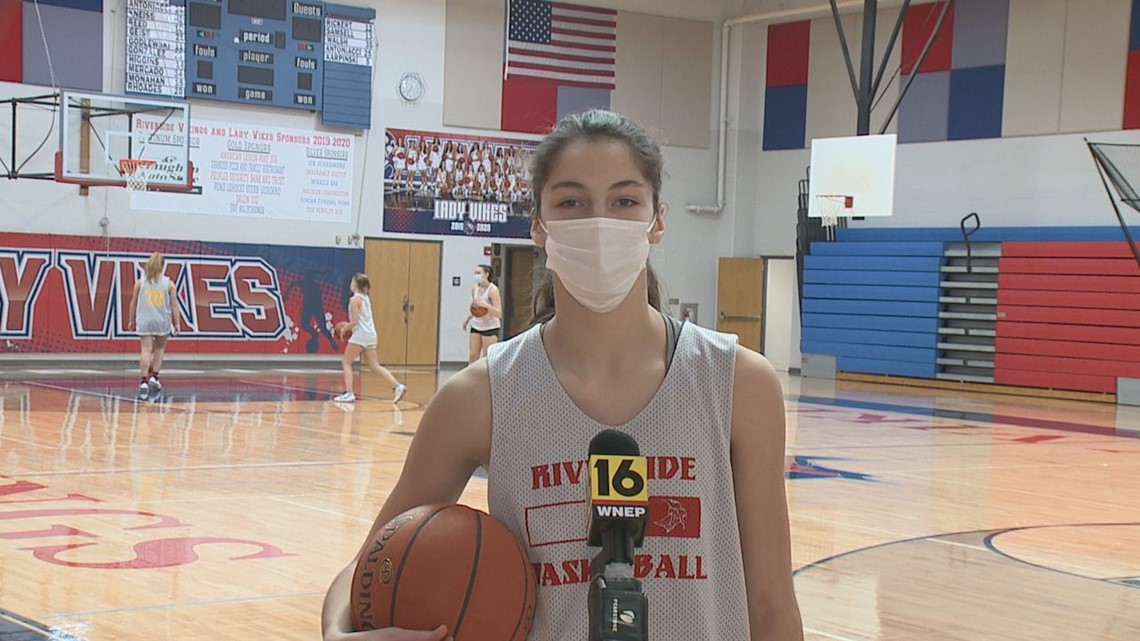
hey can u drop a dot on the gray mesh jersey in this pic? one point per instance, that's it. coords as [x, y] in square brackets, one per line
[690, 565]
[152, 314]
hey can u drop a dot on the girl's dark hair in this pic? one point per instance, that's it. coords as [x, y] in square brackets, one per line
[362, 283]
[596, 124]
[487, 270]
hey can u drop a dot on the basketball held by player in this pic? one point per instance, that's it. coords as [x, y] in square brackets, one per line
[601, 354]
[155, 315]
[484, 322]
[361, 332]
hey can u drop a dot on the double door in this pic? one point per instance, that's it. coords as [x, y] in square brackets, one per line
[405, 299]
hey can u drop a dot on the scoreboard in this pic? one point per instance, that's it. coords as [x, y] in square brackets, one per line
[255, 51]
[299, 54]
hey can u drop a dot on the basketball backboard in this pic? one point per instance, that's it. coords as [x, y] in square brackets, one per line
[102, 134]
[852, 176]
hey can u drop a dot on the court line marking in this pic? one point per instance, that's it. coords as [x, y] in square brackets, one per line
[1005, 420]
[84, 392]
[829, 635]
[134, 400]
[987, 534]
[317, 391]
[167, 606]
[186, 412]
[988, 541]
[989, 444]
[193, 468]
[53, 372]
[912, 476]
[314, 508]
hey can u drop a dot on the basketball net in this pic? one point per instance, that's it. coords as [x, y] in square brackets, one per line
[137, 172]
[832, 206]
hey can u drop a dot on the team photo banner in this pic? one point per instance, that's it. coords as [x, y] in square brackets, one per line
[256, 171]
[72, 294]
[456, 185]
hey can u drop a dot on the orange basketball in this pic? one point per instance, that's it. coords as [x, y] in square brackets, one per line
[340, 328]
[478, 311]
[445, 565]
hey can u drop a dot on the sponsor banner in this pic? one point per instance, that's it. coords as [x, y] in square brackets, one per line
[452, 184]
[255, 171]
[71, 294]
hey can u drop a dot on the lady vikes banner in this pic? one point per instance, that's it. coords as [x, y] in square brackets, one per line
[451, 184]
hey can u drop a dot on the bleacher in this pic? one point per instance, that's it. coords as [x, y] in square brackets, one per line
[1043, 307]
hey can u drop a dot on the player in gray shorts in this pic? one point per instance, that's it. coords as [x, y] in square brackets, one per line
[156, 317]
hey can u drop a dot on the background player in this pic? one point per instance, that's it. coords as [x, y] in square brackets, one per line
[156, 316]
[363, 340]
[485, 329]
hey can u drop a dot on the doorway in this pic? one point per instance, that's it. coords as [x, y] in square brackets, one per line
[405, 299]
[522, 269]
[740, 300]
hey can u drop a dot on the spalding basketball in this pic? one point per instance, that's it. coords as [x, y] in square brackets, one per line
[478, 311]
[445, 565]
[340, 329]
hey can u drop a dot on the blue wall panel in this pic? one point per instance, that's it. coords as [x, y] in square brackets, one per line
[785, 117]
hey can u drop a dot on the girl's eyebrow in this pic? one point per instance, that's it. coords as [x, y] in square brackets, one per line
[577, 185]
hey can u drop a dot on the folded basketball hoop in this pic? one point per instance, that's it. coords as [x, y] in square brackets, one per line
[1119, 165]
[832, 206]
[137, 172]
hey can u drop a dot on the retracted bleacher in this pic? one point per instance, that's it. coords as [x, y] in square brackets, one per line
[1044, 307]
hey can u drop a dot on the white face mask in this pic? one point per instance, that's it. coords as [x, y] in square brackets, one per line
[478, 279]
[597, 259]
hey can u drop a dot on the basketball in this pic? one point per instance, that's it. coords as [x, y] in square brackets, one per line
[341, 330]
[445, 565]
[477, 311]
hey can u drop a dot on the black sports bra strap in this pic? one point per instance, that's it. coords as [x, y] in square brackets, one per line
[672, 337]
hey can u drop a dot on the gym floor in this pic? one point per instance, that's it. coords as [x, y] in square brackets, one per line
[222, 507]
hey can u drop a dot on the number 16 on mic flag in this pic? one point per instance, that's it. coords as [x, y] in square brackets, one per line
[618, 493]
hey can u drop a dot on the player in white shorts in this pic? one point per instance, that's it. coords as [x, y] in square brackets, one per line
[363, 340]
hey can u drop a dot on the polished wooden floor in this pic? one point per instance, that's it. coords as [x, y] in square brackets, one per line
[222, 508]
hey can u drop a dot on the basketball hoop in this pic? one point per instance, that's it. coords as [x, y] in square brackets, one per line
[137, 172]
[832, 206]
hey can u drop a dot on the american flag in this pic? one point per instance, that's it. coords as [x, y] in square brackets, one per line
[571, 44]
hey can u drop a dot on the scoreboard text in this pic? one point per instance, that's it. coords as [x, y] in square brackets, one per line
[255, 51]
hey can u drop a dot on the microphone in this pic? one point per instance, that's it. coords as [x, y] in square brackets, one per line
[618, 513]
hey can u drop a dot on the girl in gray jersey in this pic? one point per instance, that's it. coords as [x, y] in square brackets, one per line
[708, 414]
[154, 313]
